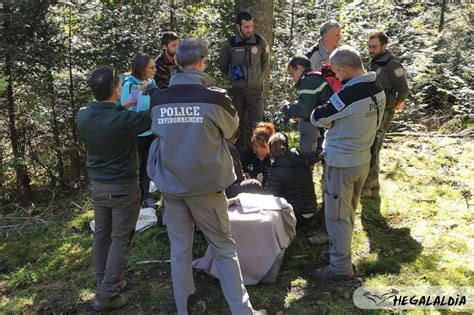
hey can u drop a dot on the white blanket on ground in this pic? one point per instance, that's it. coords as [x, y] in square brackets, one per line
[259, 237]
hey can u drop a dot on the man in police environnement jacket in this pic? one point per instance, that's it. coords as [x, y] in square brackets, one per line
[191, 165]
[352, 115]
[392, 77]
[244, 58]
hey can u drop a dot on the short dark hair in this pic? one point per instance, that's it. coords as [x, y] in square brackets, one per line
[103, 81]
[299, 60]
[168, 37]
[380, 36]
[139, 63]
[244, 15]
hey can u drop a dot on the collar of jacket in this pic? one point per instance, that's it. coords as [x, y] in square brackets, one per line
[368, 77]
[103, 105]
[186, 76]
[291, 159]
[165, 59]
[382, 58]
[324, 51]
[239, 39]
[303, 75]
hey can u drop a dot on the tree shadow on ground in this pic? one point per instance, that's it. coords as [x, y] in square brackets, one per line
[393, 246]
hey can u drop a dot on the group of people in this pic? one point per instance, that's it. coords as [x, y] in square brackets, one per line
[167, 122]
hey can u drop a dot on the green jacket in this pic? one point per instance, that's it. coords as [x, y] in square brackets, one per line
[313, 90]
[392, 77]
[110, 139]
[252, 55]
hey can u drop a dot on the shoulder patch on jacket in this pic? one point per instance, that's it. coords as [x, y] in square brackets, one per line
[337, 102]
[399, 72]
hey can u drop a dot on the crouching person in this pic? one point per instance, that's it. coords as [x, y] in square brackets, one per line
[110, 139]
[290, 177]
[191, 165]
[353, 115]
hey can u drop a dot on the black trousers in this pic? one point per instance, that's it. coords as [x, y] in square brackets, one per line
[143, 144]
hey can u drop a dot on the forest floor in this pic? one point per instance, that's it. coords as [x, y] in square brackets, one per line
[419, 231]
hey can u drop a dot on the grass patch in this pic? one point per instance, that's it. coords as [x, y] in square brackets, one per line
[417, 232]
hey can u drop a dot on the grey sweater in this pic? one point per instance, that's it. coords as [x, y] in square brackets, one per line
[191, 120]
[353, 116]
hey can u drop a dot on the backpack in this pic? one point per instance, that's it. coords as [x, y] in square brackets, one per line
[330, 77]
[313, 49]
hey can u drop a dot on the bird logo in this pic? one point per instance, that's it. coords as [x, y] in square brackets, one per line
[380, 299]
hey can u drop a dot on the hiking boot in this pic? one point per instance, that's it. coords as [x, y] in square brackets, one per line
[259, 312]
[112, 303]
[149, 203]
[325, 273]
[319, 238]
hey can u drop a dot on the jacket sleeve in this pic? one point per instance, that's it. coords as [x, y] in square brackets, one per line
[335, 108]
[227, 119]
[137, 123]
[162, 75]
[307, 100]
[265, 56]
[225, 57]
[399, 82]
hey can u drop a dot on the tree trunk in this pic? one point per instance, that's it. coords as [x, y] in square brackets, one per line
[292, 23]
[441, 19]
[262, 14]
[22, 177]
[56, 132]
[75, 156]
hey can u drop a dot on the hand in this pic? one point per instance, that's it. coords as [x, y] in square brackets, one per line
[284, 103]
[295, 119]
[260, 177]
[399, 106]
[328, 125]
[129, 103]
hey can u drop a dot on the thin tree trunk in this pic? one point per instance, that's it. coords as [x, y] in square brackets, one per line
[22, 177]
[292, 23]
[441, 19]
[56, 131]
[75, 156]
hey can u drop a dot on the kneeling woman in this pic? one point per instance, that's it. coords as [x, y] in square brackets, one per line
[255, 160]
[290, 177]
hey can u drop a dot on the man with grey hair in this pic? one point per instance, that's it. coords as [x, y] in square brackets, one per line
[330, 32]
[191, 165]
[352, 115]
